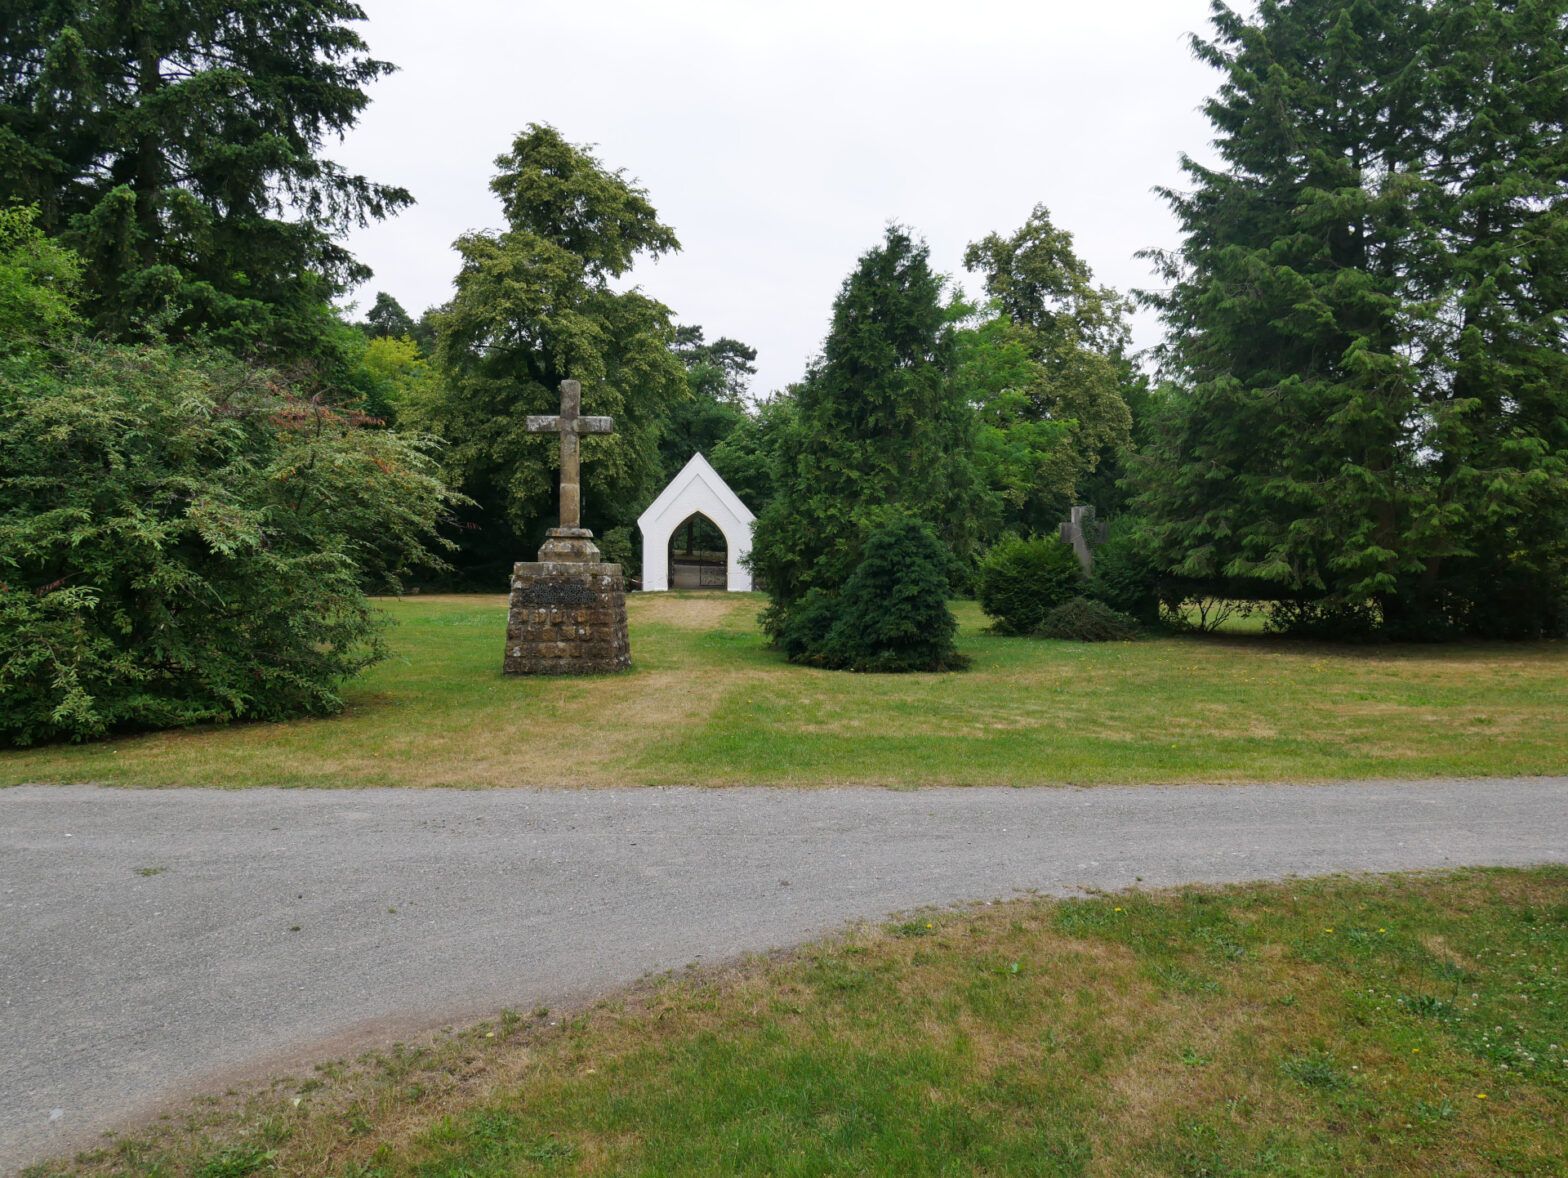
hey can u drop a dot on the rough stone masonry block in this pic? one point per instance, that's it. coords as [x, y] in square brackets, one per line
[566, 618]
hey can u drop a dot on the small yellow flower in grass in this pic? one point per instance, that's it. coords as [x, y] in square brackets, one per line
[1328, 930]
[1415, 1051]
[1480, 1096]
[1118, 910]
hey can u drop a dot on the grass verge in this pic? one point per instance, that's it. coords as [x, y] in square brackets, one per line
[708, 704]
[1413, 1025]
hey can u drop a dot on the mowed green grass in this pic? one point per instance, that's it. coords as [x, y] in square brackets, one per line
[1403, 1026]
[708, 703]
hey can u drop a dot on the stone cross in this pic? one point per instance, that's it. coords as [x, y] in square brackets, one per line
[1082, 532]
[569, 425]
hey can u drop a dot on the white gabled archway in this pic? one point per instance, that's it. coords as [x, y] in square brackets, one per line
[698, 489]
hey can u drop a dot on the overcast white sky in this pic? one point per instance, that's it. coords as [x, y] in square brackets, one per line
[779, 138]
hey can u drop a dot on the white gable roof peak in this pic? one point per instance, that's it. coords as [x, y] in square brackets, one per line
[697, 471]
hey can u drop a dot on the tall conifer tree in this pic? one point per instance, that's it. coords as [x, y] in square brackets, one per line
[176, 146]
[1494, 347]
[1381, 230]
[880, 426]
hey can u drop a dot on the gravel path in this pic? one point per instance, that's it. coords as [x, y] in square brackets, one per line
[154, 942]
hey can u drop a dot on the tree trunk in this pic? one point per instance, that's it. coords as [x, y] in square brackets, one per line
[149, 156]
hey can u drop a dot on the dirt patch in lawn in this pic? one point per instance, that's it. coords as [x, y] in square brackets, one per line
[696, 611]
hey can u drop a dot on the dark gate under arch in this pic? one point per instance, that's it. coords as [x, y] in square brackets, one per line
[699, 554]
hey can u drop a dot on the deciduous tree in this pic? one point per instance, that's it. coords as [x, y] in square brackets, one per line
[535, 305]
[717, 376]
[1046, 367]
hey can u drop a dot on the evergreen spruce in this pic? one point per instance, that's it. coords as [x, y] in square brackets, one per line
[177, 148]
[1494, 271]
[1366, 329]
[890, 616]
[879, 427]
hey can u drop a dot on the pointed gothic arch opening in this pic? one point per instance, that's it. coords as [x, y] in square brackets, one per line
[698, 555]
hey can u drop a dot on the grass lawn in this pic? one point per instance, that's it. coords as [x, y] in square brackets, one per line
[708, 704]
[1413, 1025]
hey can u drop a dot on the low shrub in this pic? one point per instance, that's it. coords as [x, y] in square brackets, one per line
[1020, 581]
[890, 616]
[619, 546]
[802, 633]
[1125, 577]
[1083, 620]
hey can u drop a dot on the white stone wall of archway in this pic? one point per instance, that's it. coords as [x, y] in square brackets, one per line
[698, 489]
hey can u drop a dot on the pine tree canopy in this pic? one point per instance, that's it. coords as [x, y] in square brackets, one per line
[1368, 342]
[879, 425]
[386, 318]
[176, 146]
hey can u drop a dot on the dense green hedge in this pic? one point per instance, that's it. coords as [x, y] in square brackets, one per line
[182, 541]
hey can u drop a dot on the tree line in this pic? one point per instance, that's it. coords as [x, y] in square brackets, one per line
[1357, 419]
[980, 417]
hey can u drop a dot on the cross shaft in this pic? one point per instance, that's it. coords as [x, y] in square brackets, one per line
[570, 424]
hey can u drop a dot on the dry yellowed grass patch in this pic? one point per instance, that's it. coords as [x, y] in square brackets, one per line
[708, 703]
[688, 611]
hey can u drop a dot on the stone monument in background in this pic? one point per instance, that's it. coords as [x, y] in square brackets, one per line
[1083, 532]
[568, 608]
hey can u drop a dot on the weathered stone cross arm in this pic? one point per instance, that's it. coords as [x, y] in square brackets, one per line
[580, 424]
[585, 425]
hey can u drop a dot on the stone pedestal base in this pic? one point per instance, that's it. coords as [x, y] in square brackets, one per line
[570, 544]
[568, 617]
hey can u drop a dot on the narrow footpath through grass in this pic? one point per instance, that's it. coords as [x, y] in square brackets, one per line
[707, 703]
[1412, 1025]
